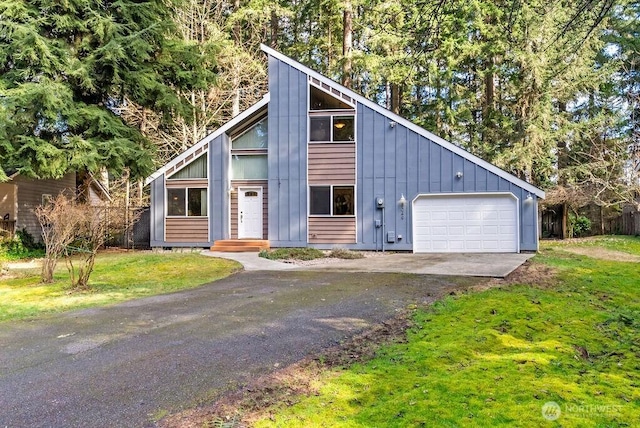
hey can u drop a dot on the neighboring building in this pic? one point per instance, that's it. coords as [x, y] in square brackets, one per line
[20, 196]
[315, 164]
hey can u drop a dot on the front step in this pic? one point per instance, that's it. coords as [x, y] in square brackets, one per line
[240, 245]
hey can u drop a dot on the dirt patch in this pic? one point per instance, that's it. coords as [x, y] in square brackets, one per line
[20, 268]
[528, 273]
[243, 407]
[603, 254]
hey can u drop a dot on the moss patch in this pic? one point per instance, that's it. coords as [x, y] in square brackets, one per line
[497, 357]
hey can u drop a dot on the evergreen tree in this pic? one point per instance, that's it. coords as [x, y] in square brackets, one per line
[66, 70]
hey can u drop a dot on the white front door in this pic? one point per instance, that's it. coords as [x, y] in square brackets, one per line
[250, 212]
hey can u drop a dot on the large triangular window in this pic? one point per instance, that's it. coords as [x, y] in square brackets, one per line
[196, 169]
[321, 100]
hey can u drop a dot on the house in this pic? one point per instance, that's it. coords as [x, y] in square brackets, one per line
[20, 196]
[315, 164]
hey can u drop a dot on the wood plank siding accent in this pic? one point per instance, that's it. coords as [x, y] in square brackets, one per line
[198, 182]
[234, 205]
[187, 229]
[332, 230]
[332, 163]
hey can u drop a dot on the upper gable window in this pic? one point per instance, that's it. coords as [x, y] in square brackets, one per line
[255, 137]
[320, 100]
[196, 169]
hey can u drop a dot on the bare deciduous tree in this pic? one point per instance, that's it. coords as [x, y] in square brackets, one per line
[76, 231]
[58, 231]
[240, 82]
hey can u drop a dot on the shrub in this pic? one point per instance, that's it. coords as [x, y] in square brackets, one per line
[342, 253]
[28, 241]
[578, 225]
[292, 254]
[22, 246]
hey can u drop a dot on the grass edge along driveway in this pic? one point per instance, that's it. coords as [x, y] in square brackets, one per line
[117, 277]
[560, 347]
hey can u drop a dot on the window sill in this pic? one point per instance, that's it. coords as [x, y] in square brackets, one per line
[331, 216]
[333, 142]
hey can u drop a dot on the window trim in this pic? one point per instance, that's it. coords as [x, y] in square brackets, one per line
[332, 117]
[186, 202]
[331, 202]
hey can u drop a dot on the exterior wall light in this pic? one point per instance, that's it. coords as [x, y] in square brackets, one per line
[392, 124]
[459, 174]
[402, 202]
[529, 197]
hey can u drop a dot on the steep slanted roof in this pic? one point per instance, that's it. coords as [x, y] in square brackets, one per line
[406, 123]
[202, 143]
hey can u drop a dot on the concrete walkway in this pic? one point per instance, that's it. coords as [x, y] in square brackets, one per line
[494, 265]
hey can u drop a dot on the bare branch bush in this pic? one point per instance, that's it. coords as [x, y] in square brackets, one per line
[77, 231]
[58, 220]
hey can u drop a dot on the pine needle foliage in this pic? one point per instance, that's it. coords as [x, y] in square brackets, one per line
[66, 69]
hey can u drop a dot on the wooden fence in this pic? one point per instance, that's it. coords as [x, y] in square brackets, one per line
[8, 227]
[628, 223]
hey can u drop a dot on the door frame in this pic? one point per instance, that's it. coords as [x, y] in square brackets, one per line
[241, 202]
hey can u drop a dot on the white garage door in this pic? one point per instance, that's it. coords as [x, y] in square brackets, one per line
[465, 223]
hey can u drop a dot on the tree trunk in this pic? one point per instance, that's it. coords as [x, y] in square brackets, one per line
[127, 196]
[565, 221]
[275, 29]
[396, 97]
[347, 44]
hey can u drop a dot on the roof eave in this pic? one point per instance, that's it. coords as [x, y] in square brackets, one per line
[406, 123]
[212, 136]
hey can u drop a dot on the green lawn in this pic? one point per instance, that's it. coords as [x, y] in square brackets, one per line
[116, 277]
[495, 358]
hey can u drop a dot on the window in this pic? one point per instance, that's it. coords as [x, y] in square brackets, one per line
[331, 128]
[196, 169]
[255, 137]
[249, 167]
[320, 100]
[331, 200]
[190, 202]
[320, 200]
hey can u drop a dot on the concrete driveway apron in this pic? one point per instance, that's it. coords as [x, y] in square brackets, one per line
[495, 265]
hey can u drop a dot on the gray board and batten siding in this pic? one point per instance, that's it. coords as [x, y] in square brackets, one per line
[393, 158]
[287, 153]
[391, 162]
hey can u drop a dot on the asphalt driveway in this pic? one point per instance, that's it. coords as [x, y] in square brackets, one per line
[124, 365]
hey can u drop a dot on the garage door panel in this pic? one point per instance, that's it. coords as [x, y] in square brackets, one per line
[465, 223]
[456, 215]
[490, 229]
[439, 215]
